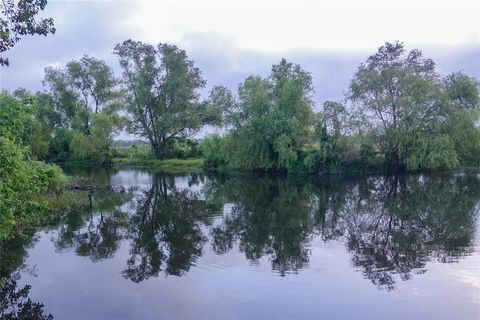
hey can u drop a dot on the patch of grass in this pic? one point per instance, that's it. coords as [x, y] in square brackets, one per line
[167, 166]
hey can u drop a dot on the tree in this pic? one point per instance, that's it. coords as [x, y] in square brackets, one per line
[162, 92]
[213, 150]
[399, 96]
[464, 113]
[63, 97]
[272, 120]
[83, 87]
[96, 146]
[463, 91]
[333, 117]
[18, 19]
[85, 98]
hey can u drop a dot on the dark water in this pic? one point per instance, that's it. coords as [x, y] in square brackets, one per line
[249, 247]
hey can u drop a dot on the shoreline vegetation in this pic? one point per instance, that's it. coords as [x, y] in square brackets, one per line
[165, 166]
[398, 115]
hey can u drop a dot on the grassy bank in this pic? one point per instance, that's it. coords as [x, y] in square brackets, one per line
[45, 208]
[169, 165]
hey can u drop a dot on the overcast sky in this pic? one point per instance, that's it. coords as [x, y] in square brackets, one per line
[230, 40]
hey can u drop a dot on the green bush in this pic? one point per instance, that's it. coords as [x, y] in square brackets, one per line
[120, 152]
[213, 151]
[179, 148]
[24, 184]
[59, 146]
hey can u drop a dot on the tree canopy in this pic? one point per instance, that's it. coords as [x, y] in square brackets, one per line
[409, 108]
[162, 96]
[19, 19]
[271, 119]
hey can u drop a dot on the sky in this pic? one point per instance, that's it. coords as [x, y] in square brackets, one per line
[231, 40]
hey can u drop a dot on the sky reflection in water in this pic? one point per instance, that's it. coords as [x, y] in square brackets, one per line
[217, 247]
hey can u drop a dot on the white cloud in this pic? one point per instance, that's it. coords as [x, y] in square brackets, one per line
[230, 40]
[347, 26]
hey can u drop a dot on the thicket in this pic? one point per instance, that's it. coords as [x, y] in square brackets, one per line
[29, 189]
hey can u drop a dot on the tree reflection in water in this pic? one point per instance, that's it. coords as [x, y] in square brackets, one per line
[16, 305]
[397, 225]
[96, 232]
[165, 230]
[392, 226]
[269, 216]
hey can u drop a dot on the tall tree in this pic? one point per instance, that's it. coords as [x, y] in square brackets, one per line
[83, 87]
[18, 19]
[95, 81]
[400, 98]
[162, 92]
[272, 120]
[85, 96]
[333, 117]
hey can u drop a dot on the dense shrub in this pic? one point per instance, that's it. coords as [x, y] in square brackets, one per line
[23, 182]
[182, 149]
[213, 151]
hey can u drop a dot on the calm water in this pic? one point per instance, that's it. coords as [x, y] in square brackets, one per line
[249, 247]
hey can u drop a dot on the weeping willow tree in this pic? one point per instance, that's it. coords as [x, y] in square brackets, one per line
[272, 119]
[420, 120]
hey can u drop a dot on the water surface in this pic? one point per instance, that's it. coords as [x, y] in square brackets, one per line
[257, 247]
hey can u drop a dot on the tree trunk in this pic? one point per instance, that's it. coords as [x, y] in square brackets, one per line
[158, 150]
[399, 166]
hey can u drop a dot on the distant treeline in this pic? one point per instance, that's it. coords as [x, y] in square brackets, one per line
[398, 113]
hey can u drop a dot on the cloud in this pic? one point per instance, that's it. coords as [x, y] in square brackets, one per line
[91, 28]
[94, 28]
[224, 63]
[270, 26]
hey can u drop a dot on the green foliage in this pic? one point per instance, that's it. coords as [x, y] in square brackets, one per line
[96, 146]
[13, 173]
[83, 99]
[82, 147]
[59, 146]
[173, 166]
[142, 154]
[180, 148]
[272, 120]
[463, 91]
[213, 151]
[15, 119]
[399, 113]
[162, 96]
[463, 118]
[418, 119]
[132, 153]
[18, 19]
[24, 183]
[431, 153]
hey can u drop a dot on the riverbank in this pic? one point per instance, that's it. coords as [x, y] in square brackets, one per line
[166, 166]
[45, 208]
